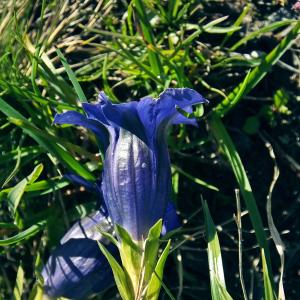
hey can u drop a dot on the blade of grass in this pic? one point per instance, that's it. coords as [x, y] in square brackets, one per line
[29, 232]
[216, 272]
[224, 140]
[62, 155]
[148, 38]
[268, 290]
[257, 33]
[258, 73]
[273, 230]
[72, 77]
[195, 179]
[19, 285]
[16, 193]
[15, 169]
[238, 22]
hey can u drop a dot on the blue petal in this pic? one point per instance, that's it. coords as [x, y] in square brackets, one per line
[156, 115]
[115, 116]
[136, 176]
[77, 267]
[90, 185]
[76, 118]
[129, 184]
[171, 220]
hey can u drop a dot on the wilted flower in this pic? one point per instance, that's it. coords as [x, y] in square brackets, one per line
[136, 181]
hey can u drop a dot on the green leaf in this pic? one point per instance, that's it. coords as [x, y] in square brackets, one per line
[108, 235]
[41, 187]
[268, 290]
[54, 148]
[281, 99]
[29, 232]
[72, 77]
[151, 250]
[15, 170]
[238, 22]
[155, 230]
[156, 278]
[126, 238]
[16, 193]
[121, 277]
[131, 256]
[268, 28]
[258, 73]
[19, 285]
[216, 272]
[195, 179]
[146, 31]
[226, 145]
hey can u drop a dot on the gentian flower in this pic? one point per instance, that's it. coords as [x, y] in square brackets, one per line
[77, 268]
[136, 184]
[136, 179]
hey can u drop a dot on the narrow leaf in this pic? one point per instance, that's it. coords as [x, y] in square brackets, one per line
[216, 272]
[19, 285]
[29, 232]
[269, 295]
[121, 278]
[72, 77]
[258, 73]
[156, 278]
[225, 143]
[16, 193]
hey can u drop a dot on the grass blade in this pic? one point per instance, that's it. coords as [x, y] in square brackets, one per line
[19, 285]
[258, 73]
[148, 38]
[265, 29]
[216, 272]
[268, 290]
[195, 179]
[55, 149]
[16, 193]
[224, 140]
[29, 232]
[72, 77]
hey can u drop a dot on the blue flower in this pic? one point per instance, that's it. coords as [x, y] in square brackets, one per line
[77, 268]
[136, 179]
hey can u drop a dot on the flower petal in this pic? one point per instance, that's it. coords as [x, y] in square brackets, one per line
[156, 115]
[76, 118]
[77, 267]
[115, 116]
[171, 220]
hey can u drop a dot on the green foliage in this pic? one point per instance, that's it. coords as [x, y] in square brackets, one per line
[216, 272]
[140, 274]
[240, 57]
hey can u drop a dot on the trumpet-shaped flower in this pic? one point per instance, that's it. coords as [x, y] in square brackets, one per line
[136, 179]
